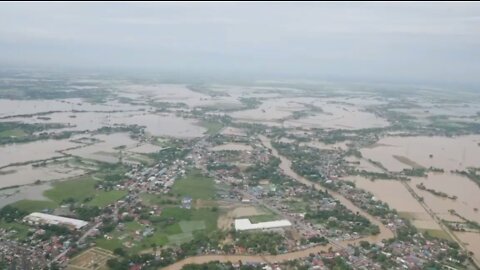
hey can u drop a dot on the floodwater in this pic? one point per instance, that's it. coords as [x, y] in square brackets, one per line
[178, 93]
[443, 109]
[336, 113]
[145, 149]
[76, 121]
[38, 150]
[232, 147]
[104, 150]
[397, 196]
[156, 124]
[27, 174]
[20, 107]
[271, 109]
[447, 153]
[467, 191]
[30, 192]
[164, 125]
[339, 116]
[472, 241]
[231, 131]
[362, 164]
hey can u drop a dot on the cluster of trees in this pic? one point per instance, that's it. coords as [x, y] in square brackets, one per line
[53, 230]
[28, 130]
[201, 242]
[10, 213]
[169, 155]
[344, 219]
[261, 242]
[87, 212]
[267, 170]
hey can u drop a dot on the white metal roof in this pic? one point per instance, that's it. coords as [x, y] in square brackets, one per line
[244, 224]
[57, 220]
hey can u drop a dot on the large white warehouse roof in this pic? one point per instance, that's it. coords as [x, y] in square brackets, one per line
[41, 218]
[244, 224]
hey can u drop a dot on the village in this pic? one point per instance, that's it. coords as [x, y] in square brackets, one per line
[290, 222]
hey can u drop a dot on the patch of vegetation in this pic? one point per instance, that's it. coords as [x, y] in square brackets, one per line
[437, 234]
[15, 230]
[104, 198]
[211, 126]
[30, 206]
[204, 89]
[78, 189]
[261, 242]
[262, 218]
[195, 185]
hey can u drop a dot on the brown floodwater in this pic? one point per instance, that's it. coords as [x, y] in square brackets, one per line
[27, 174]
[271, 109]
[339, 116]
[38, 150]
[362, 164]
[447, 153]
[468, 194]
[30, 192]
[397, 196]
[105, 150]
[472, 241]
[163, 124]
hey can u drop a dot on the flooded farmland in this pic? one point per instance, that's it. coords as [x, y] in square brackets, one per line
[27, 192]
[27, 174]
[398, 153]
[27, 152]
[467, 193]
[472, 240]
[397, 196]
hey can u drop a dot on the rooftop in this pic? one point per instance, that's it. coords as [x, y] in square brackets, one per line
[244, 224]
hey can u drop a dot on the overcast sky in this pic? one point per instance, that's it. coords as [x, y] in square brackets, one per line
[385, 41]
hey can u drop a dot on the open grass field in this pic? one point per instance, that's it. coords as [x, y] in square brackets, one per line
[78, 189]
[437, 233]
[159, 200]
[212, 127]
[15, 230]
[195, 185]
[34, 206]
[262, 218]
[104, 198]
[109, 244]
[182, 223]
[91, 259]
[190, 226]
[12, 133]
[177, 239]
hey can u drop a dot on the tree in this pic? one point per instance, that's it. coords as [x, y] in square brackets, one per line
[120, 252]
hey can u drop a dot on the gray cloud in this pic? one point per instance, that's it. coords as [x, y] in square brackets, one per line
[384, 41]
